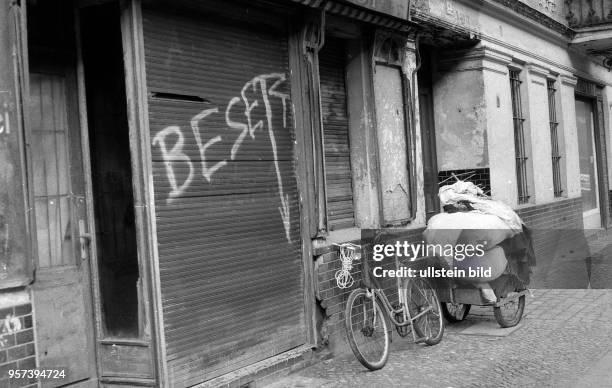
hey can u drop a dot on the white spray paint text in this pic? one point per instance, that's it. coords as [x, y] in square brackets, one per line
[176, 154]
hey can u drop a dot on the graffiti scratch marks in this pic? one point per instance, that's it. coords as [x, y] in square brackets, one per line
[257, 85]
[9, 325]
[5, 124]
[4, 248]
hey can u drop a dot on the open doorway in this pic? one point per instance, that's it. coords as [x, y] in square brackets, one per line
[88, 286]
[111, 170]
[587, 146]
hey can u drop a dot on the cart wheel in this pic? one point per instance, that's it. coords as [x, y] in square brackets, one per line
[510, 314]
[455, 312]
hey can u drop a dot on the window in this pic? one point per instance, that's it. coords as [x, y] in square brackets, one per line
[554, 138]
[52, 188]
[519, 138]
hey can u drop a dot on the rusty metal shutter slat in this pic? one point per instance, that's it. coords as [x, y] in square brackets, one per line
[226, 194]
[336, 136]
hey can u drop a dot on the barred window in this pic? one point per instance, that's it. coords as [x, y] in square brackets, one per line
[519, 137]
[554, 139]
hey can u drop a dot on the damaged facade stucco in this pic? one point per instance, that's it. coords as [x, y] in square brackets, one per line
[460, 118]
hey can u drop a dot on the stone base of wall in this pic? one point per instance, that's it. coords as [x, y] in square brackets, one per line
[559, 243]
[565, 214]
[17, 349]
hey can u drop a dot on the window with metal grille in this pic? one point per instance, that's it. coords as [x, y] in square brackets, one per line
[554, 139]
[519, 137]
[52, 188]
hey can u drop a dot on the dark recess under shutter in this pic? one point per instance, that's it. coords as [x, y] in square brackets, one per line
[227, 205]
[336, 135]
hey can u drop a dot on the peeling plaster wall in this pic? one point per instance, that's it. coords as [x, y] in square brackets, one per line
[500, 140]
[567, 110]
[460, 119]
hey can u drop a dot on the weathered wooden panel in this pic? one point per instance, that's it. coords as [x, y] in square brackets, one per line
[226, 198]
[392, 144]
[338, 176]
[62, 329]
[125, 360]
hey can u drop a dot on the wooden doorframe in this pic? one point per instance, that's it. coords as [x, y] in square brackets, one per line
[144, 199]
[86, 160]
[149, 297]
[590, 95]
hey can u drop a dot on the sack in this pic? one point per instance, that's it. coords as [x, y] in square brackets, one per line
[462, 192]
[493, 259]
[467, 228]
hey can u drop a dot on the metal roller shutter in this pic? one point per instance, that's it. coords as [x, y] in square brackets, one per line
[336, 135]
[225, 191]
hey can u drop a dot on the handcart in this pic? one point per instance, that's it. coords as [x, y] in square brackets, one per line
[457, 297]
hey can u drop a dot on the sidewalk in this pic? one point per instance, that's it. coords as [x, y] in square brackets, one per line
[564, 340]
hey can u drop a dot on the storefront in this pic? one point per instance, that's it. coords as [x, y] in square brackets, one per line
[173, 151]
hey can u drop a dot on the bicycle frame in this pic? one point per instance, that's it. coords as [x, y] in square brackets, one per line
[390, 312]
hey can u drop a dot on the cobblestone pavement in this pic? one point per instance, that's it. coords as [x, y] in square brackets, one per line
[564, 340]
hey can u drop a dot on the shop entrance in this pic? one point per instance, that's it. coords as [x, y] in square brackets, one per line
[89, 293]
[589, 182]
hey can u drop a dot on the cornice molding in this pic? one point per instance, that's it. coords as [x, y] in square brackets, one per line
[537, 70]
[537, 16]
[481, 53]
[568, 80]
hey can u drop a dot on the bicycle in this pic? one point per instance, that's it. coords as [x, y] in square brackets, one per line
[369, 314]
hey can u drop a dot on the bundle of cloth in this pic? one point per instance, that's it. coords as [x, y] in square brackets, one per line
[472, 218]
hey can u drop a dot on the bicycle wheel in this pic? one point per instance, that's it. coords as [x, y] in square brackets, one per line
[510, 314]
[420, 295]
[366, 329]
[455, 312]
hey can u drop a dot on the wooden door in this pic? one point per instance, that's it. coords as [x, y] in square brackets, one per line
[61, 288]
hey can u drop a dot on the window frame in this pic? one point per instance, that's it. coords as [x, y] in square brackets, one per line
[554, 138]
[519, 131]
[329, 225]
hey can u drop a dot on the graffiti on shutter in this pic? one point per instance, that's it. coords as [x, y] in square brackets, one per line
[268, 85]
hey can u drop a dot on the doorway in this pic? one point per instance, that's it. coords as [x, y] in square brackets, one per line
[89, 293]
[61, 290]
[587, 151]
